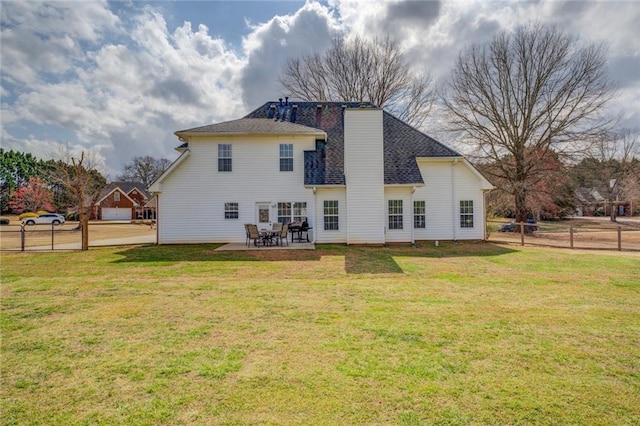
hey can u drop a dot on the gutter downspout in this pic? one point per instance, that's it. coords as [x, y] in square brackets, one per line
[157, 219]
[315, 214]
[413, 237]
[453, 199]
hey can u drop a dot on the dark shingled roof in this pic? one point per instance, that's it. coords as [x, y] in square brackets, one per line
[325, 166]
[257, 125]
[126, 187]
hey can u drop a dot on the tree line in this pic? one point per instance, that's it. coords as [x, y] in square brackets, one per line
[71, 183]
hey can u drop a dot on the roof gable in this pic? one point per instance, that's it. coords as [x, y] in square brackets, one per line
[126, 188]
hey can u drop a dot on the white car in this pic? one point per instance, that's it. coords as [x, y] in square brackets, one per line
[44, 219]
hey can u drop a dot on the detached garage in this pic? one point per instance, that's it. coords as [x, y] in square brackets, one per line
[115, 213]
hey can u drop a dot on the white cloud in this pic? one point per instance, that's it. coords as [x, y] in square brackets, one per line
[130, 98]
[271, 44]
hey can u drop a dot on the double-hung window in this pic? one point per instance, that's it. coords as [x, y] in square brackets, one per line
[116, 196]
[331, 215]
[292, 212]
[395, 214]
[419, 215]
[231, 210]
[299, 211]
[284, 212]
[286, 157]
[466, 213]
[224, 157]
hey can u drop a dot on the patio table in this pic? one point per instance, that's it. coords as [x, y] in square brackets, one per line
[266, 235]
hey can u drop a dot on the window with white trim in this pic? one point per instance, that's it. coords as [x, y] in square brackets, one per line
[330, 216]
[299, 211]
[419, 215]
[116, 196]
[466, 213]
[286, 157]
[284, 212]
[395, 214]
[224, 157]
[292, 212]
[231, 211]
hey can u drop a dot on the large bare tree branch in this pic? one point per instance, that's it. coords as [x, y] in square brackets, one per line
[524, 94]
[358, 70]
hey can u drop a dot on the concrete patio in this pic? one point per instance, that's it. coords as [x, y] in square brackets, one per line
[243, 246]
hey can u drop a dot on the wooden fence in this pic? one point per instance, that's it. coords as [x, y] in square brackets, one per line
[605, 237]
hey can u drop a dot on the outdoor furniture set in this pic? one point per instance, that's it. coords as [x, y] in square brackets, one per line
[277, 235]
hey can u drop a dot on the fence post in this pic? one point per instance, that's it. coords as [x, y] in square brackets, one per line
[521, 233]
[22, 231]
[52, 225]
[571, 236]
[619, 238]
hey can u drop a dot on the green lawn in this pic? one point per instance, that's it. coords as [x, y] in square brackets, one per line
[456, 334]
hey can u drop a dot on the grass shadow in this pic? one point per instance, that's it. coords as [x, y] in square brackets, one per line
[380, 260]
[358, 259]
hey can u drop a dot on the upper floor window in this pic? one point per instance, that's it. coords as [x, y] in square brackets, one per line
[466, 213]
[224, 157]
[286, 157]
[116, 196]
[395, 214]
[419, 214]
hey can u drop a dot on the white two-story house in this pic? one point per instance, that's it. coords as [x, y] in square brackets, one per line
[358, 175]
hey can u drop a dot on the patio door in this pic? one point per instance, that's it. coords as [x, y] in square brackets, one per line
[263, 216]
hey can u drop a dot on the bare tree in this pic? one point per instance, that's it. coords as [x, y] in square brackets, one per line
[80, 176]
[144, 170]
[523, 95]
[358, 70]
[613, 156]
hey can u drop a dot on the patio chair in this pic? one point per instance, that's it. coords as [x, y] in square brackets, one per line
[277, 226]
[252, 234]
[282, 236]
[246, 233]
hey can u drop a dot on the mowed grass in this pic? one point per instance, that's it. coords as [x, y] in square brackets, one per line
[467, 333]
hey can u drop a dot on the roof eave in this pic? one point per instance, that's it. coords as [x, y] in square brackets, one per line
[183, 136]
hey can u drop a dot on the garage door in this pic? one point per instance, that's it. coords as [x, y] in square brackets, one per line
[111, 213]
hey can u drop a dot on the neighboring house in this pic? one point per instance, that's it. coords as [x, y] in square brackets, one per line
[122, 201]
[590, 202]
[357, 173]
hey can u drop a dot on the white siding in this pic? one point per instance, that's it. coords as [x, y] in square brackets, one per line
[191, 204]
[364, 175]
[404, 234]
[446, 183]
[336, 237]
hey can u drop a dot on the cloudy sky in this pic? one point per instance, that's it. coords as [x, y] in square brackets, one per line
[118, 78]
